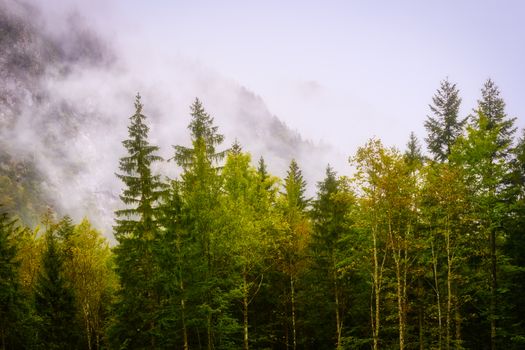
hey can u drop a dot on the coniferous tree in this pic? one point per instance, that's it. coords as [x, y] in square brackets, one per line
[492, 106]
[295, 240]
[14, 310]
[443, 126]
[330, 227]
[484, 159]
[514, 305]
[294, 188]
[413, 155]
[136, 231]
[201, 189]
[55, 300]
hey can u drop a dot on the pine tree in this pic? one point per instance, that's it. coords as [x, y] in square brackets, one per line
[330, 225]
[492, 106]
[443, 126]
[14, 311]
[484, 158]
[296, 237]
[55, 300]
[413, 155]
[204, 132]
[201, 190]
[137, 231]
[295, 187]
[143, 189]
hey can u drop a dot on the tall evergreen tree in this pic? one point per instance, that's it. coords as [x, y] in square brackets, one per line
[201, 190]
[202, 130]
[55, 300]
[443, 126]
[492, 106]
[14, 311]
[295, 187]
[295, 240]
[484, 158]
[413, 155]
[330, 226]
[514, 246]
[136, 231]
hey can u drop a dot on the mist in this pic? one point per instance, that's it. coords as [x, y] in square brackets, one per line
[69, 93]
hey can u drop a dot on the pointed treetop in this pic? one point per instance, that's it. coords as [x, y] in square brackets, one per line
[413, 153]
[236, 148]
[492, 106]
[443, 125]
[138, 104]
[295, 187]
[261, 170]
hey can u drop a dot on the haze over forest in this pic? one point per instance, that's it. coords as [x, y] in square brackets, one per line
[286, 176]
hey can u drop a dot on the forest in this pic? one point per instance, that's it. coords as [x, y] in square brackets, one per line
[412, 250]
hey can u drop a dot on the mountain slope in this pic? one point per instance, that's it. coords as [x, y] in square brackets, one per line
[64, 109]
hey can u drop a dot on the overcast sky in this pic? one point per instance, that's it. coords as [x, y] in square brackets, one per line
[337, 71]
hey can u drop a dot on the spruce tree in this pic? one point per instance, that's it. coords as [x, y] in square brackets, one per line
[55, 300]
[330, 226]
[483, 155]
[136, 231]
[413, 155]
[203, 131]
[492, 106]
[295, 187]
[293, 244]
[14, 310]
[443, 126]
[201, 190]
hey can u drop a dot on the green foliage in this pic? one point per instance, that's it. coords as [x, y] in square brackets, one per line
[136, 231]
[407, 253]
[443, 126]
[55, 299]
[15, 314]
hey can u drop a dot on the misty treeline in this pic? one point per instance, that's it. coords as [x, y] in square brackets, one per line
[408, 252]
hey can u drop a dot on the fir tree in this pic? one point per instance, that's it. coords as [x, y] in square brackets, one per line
[55, 300]
[413, 155]
[492, 106]
[14, 311]
[443, 126]
[330, 225]
[142, 189]
[201, 190]
[203, 131]
[295, 187]
[137, 231]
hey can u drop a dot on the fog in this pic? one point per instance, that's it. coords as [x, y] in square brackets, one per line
[69, 92]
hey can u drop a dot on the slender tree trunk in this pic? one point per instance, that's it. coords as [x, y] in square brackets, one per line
[209, 331]
[375, 312]
[400, 306]
[339, 323]
[438, 297]
[182, 301]
[493, 289]
[458, 325]
[420, 312]
[294, 331]
[183, 316]
[449, 288]
[245, 310]
[88, 328]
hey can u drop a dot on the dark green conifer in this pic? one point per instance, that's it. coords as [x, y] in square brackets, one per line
[295, 187]
[136, 231]
[55, 300]
[443, 126]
